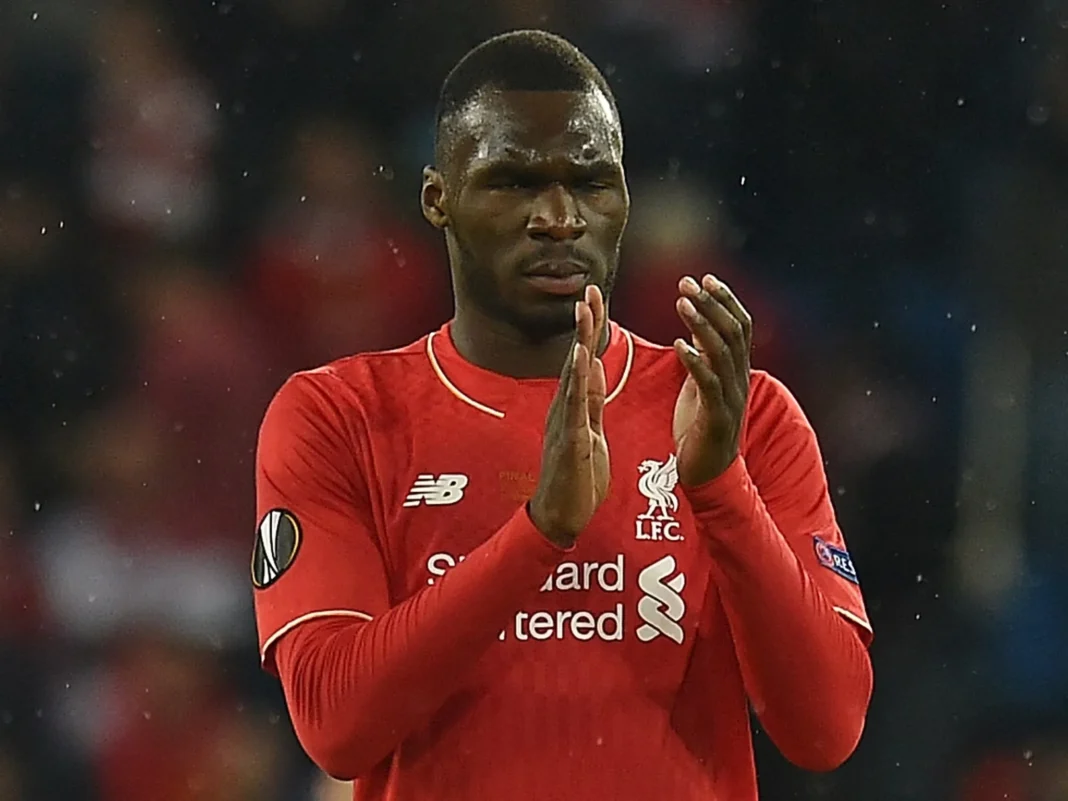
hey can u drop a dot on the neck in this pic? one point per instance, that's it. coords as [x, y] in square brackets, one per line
[498, 346]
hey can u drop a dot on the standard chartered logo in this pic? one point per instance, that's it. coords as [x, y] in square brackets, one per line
[662, 606]
[595, 614]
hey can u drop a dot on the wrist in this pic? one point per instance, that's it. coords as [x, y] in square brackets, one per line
[548, 528]
[723, 489]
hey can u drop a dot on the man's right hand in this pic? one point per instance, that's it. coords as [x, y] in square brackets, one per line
[574, 463]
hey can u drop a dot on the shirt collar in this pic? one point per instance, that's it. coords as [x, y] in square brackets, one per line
[493, 393]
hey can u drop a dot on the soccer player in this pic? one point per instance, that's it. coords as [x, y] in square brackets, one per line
[532, 556]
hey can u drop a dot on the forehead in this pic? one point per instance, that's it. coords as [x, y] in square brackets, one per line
[538, 125]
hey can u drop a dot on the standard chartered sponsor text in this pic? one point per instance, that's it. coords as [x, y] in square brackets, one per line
[586, 623]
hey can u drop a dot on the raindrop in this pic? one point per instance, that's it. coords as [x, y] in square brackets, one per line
[869, 218]
[742, 181]
[840, 491]
[357, 56]
[1028, 754]
[61, 223]
[919, 578]
[37, 506]
[949, 315]
[38, 713]
[244, 174]
[875, 324]
[147, 714]
[934, 399]
[973, 328]
[303, 198]
[44, 230]
[600, 741]
[960, 102]
[1037, 114]
[218, 105]
[34, 16]
[867, 392]
[385, 171]
[1063, 23]
[91, 599]
[917, 615]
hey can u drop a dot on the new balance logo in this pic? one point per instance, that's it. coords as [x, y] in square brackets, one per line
[443, 490]
[662, 606]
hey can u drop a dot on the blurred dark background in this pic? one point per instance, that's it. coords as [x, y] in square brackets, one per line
[197, 198]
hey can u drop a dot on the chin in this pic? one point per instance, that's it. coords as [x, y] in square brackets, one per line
[549, 320]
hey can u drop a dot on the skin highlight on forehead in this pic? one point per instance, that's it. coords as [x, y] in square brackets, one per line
[492, 127]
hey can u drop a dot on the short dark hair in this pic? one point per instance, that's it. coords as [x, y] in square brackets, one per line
[524, 60]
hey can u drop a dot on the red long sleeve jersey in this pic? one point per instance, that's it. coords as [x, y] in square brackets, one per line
[391, 491]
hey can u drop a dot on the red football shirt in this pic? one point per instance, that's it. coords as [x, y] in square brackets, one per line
[605, 671]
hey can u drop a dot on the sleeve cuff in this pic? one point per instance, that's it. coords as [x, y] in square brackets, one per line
[730, 489]
[524, 535]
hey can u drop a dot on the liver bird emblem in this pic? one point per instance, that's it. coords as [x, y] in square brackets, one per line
[657, 483]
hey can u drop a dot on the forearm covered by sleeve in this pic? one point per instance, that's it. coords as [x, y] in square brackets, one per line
[805, 667]
[356, 688]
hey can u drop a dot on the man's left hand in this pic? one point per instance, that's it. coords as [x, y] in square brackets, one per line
[711, 405]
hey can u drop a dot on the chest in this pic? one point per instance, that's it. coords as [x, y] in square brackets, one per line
[635, 586]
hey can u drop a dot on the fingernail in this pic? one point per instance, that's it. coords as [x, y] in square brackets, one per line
[690, 282]
[710, 282]
[577, 316]
[688, 308]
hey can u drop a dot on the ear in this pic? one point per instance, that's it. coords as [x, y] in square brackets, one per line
[432, 198]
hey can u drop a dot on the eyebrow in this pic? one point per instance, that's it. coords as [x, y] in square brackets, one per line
[521, 161]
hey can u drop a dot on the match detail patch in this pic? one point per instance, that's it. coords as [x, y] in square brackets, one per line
[277, 543]
[836, 559]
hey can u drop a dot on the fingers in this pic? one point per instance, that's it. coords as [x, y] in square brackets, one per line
[721, 292]
[595, 301]
[702, 372]
[576, 409]
[718, 311]
[582, 366]
[707, 339]
[596, 393]
[584, 324]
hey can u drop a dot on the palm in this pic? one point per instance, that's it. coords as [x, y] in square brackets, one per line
[689, 426]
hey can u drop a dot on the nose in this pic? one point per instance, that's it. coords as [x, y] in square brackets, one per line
[555, 215]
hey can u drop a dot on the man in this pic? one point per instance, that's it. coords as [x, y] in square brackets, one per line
[532, 556]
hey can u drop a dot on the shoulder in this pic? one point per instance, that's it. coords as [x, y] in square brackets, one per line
[771, 402]
[350, 389]
[775, 425]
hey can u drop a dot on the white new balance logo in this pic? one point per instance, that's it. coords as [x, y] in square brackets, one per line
[448, 488]
[661, 607]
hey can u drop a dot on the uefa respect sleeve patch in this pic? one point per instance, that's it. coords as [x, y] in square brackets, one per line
[277, 543]
[835, 559]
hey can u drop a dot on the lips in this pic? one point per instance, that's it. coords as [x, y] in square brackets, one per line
[557, 278]
[557, 269]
